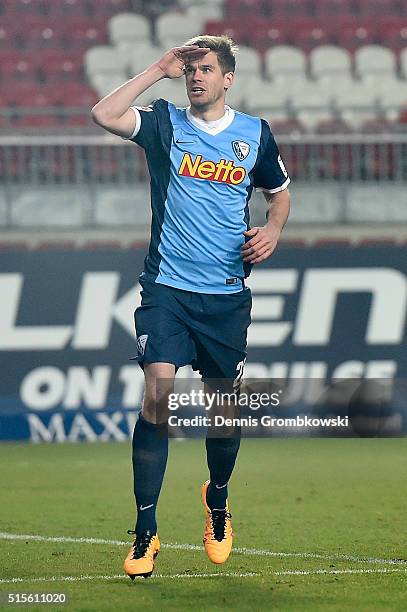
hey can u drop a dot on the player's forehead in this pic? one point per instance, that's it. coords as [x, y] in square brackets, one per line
[210, 59]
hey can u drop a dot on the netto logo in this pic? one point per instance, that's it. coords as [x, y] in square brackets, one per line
[221, 172]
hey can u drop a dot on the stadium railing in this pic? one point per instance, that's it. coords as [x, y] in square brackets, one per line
[105, 176]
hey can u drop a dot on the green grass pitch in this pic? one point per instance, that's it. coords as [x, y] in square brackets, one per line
[330, 514]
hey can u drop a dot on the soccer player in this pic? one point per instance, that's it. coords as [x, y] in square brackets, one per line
[204, 161]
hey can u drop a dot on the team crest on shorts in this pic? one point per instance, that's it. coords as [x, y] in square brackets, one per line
[141, 344]
[241, 149]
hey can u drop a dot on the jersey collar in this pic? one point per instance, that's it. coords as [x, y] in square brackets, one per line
[212, 127]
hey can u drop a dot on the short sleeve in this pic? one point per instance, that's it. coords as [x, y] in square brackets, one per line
[269, 172]
[146, 132]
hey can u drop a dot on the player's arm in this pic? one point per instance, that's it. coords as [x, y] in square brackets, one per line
[263, 240]
[113, 112]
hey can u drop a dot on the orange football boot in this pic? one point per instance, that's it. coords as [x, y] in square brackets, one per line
[218, 531]
[141, 557]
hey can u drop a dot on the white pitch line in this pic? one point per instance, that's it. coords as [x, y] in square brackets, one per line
[316, 572]
[237, 550]
[115, 576]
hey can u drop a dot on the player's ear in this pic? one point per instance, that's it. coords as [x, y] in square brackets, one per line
[228, 79]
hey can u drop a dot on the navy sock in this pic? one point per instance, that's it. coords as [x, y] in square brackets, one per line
[150, 453]
[221, 456]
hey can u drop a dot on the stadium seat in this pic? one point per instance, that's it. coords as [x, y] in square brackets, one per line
[312, 106]
[123, 207]
[392, 99]
[331, 8]
[374, 59]
[393, 34]
[357, 104]
[367, 203]
[309, 36]
[377, 8]
[125, 28]
[143, 55]
[286, 127]
[331, 60]
[266, 100]
[57, 66]
[351, 36]
[17, 67]
[36, 207]
[403, 63]
[290, 85]
[104, 83]
[243, 8]
[286, 60]
[248, 62]
[76, 94]
[203, 13]
[172, 28]
[10, 37]
[289, 8]
[336, 83]
[84, 34]
[105, 60]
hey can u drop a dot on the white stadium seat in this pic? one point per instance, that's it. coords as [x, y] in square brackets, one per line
[403, 62]
[53, 207]
[374, 59]
[286, 60]
[291, 85]
[206, 12]
[392, 98]
[311, 104]
[128, 28]
[248, 62]
[173, 29]
[105, 59]
[266, 100]
[105, 83]
[357, 104]
[142, 56]
[328, 59]
[367, 203]
[336, 83]
[123, 207]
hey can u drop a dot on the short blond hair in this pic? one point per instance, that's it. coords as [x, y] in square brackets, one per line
[224, 47]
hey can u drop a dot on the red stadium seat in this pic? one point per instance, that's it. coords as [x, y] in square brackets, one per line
[356, 35]
[59, 66]
[290, 8]
[393, 34]
[377, 8]
[309, 36]
[36, 96]
[77, 95]
[10, 36]
[17, 67]
[22, 8]
[85, 34]
[332, 8]
[235, 9]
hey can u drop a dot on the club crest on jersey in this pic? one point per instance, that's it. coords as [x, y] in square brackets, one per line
[241, 149]
[220, 172]
[141, 344]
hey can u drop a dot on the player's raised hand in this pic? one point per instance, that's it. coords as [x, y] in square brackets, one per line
[262, 243]
[173, 62]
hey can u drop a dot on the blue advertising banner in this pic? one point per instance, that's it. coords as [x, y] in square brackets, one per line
[67, 332]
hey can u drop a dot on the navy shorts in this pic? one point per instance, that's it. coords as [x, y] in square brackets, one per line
[207, 331]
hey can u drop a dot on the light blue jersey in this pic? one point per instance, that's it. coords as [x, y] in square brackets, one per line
[201, 183]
